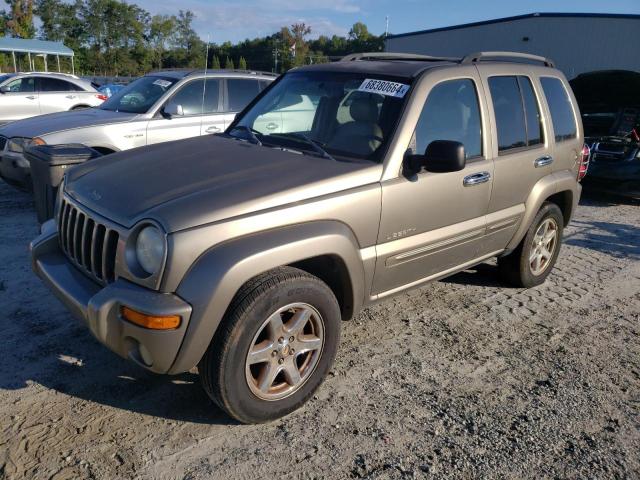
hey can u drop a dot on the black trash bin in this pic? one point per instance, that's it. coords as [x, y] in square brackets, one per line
[48, 165]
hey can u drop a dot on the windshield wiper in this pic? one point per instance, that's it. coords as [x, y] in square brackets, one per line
[252, 133]
[317, 147]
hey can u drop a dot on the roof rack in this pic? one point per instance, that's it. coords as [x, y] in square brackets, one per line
[71, 75]
[478, 56]
[395, 56]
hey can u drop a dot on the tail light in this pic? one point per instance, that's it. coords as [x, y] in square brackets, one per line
[101, 96]
[584, 161]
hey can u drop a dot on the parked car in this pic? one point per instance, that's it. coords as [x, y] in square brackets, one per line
[242, 253]
[110, 89]
[610, 106]
[26, 95]
[158, 107]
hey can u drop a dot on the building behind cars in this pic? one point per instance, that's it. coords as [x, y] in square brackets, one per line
[158, 107]
[577, 42]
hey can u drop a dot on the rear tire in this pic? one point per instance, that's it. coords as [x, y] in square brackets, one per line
[534, 258]
[274, 347]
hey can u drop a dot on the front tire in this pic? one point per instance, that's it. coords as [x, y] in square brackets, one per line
[274, 347]
[532, 261]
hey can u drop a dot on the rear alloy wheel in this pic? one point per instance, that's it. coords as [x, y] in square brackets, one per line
[274, 347]
[543, 246]
[532, 261]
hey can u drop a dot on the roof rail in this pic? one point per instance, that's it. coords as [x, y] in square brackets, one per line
[478, 56]
[395, 56]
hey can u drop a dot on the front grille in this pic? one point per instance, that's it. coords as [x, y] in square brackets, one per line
[90, 245]
[3, 142]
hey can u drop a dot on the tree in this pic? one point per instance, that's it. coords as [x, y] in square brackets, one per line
[160, 34]
[242, 64]
[215, 63]
[228, 64]
[20, 19]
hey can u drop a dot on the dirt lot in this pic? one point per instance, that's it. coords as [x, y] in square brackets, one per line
[462, 378]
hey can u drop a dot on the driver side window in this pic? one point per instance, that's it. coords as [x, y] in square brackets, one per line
[451, 112]
[22, 85]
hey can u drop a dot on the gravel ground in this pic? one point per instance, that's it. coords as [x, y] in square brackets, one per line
[462, 378]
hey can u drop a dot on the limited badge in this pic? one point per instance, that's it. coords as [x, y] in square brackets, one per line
[384, 87]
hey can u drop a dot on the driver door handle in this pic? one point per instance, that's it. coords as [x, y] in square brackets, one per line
[70, 97]
[543, 161]
[476, 179]
[271, 126]
[31, 97]
[213, 129]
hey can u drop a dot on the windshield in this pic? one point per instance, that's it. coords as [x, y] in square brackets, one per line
[140, 95]
[333, 114]
[5, 77]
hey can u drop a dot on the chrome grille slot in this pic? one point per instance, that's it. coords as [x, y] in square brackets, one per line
[89, 244]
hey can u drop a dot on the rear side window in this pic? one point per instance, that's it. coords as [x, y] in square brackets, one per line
[532, 112]
[451, 112]
[241, 92]
[55, 85]
[518, 119]
[564, 123]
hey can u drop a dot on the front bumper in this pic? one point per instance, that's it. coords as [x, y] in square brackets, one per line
[99, 307]
[15, 169]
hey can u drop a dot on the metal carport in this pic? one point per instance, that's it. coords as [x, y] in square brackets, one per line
[38, 48]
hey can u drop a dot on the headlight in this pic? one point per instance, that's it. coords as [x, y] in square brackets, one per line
[16, 145]
[150, 249]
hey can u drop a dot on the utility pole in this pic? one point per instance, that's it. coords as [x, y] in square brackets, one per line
[386, 29]
[275, 56]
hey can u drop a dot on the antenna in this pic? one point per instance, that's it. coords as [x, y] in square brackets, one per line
[204, 82]
[386, 29]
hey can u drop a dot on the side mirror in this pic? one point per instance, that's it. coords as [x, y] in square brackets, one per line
[5, 89]
[173, 110]
[441, 156]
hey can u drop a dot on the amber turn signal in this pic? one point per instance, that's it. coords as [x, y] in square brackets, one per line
[38, 141]
[153, 322]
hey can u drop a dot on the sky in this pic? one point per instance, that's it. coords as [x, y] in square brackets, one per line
[224, 20]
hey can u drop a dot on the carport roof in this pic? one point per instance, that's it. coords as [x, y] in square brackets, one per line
[21, 45]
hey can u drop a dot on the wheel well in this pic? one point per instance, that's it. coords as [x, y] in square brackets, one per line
[332, 270]
[103, 150]
[564, 200]
[79, 107]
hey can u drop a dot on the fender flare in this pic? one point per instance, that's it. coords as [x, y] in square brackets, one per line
[212, 282]
[546, 187]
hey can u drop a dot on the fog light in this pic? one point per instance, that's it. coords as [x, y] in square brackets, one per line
[153, 322]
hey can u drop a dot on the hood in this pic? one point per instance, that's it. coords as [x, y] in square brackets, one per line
[207, 179]
[56, 122]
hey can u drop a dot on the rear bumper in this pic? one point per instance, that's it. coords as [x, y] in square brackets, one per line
[15, 169]
[99, 307]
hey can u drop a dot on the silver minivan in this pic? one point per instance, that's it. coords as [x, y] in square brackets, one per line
[24, 95]
[158, 107]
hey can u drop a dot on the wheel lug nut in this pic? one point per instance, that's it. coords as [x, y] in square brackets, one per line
[274, 353]
[281, 361]
[292, 351]
[291, 339]
[281, 340]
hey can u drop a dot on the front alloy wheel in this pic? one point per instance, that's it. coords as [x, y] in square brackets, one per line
[274, 346]
[285, 351]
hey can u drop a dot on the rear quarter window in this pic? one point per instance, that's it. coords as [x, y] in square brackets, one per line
[562, 116]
